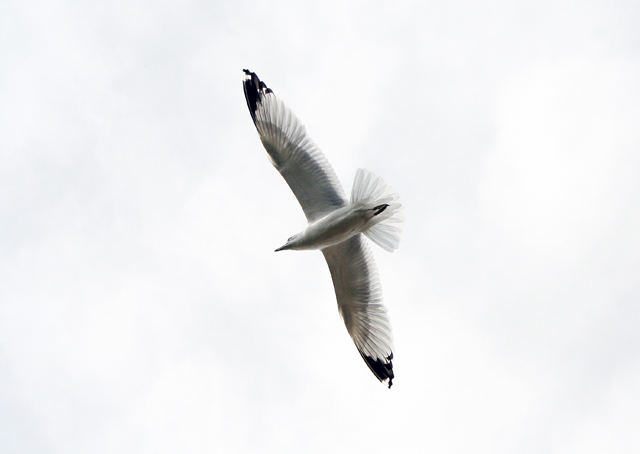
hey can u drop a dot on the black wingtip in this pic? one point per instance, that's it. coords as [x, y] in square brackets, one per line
[383, 370]
[254, 89]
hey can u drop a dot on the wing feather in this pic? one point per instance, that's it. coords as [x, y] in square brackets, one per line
[297, 158]
[357, 287]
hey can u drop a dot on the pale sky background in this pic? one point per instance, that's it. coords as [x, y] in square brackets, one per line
[142, 308]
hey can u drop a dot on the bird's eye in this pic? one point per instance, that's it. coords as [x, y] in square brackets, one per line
[291, 238]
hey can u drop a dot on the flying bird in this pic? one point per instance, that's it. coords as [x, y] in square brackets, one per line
[336, 225]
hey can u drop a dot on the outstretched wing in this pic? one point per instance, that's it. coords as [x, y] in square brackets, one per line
[355, 279]
[292, 152]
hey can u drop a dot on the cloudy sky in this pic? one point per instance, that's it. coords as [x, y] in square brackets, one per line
[142, 308]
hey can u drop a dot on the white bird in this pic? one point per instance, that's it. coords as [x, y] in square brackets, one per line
[335, 224]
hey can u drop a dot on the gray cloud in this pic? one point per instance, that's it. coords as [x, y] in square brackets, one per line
[141, 305]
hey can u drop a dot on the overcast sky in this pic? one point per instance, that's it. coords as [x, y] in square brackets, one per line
[142, 308]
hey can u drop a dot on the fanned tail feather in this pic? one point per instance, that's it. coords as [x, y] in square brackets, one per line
[387, 226]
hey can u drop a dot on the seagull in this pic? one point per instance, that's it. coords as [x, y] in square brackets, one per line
[336, 225]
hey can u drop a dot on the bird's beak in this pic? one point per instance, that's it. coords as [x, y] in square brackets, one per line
[281, 248]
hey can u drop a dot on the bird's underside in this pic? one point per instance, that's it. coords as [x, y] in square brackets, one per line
[318, 190]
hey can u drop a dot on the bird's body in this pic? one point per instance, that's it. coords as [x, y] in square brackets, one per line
[336, 225]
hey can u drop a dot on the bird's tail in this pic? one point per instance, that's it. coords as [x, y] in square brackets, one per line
[387, 222]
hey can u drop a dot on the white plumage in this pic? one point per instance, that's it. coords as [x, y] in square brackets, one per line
[335, 225]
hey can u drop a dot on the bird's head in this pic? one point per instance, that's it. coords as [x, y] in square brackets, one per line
[289, 244]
